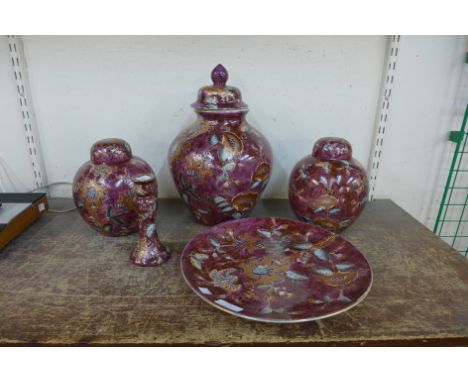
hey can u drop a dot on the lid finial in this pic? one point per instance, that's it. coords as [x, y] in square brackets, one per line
[332, 148]
[219, 75]
[219, 97]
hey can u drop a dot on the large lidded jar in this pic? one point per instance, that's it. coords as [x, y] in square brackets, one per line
[329, 188]
[220, 164]
[103, 187]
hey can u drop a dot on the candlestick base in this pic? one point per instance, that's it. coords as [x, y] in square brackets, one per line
[147, 255]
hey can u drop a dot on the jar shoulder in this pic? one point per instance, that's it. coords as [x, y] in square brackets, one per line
[109, 175]
[311, 163]
[312, 171]
[207, 137]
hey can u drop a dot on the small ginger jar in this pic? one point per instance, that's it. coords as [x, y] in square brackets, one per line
[329, 188]
[220, 164]
[103, 187]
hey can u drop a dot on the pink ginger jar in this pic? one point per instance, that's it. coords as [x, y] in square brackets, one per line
[220, 164]
[103, 187]
[329, 188]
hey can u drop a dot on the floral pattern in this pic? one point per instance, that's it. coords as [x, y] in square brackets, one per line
[329, 188]
[149, 250]
[103, 189]
[220, 164]
[275, 270]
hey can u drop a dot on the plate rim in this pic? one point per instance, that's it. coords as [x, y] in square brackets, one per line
[273, 321]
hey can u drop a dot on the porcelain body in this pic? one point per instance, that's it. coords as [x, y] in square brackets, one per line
[275, 270]
[220, 164]
[149, 251]
[103, 187]
[329, 188]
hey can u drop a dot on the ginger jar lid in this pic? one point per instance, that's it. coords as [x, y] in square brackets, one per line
[332, 148]
[219, 98]
[111, 151]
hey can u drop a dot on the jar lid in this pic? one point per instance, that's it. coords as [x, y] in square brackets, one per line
[110, 151]
[332, 148]
[219, 98]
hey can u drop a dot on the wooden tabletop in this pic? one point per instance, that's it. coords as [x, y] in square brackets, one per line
[61, 283]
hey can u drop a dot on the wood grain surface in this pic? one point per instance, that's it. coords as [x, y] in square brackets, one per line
[61, 283]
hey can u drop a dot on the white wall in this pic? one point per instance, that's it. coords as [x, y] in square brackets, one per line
[141, 88]
[16, 172]
[298, 89]
[428, 100]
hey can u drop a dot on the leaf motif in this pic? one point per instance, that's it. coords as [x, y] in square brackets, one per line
[150, 229]
[302, 246]
[296, 276]
[321, 254]
[261, 270]
[225, 155]
[219, 199]
[343, 298]
[264, 232]
[303, 175]
[229, 166]
[197, 260]
[344, 266]
[91, 192]
[266, 310]
[323, 271]
[214, 242]
[214, 139]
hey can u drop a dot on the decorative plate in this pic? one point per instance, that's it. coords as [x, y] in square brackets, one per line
[275, 270]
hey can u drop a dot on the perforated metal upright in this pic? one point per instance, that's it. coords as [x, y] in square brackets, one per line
[383, 112]
[27, 110]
